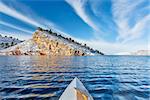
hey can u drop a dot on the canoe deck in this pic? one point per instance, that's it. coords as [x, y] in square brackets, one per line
[76, 91]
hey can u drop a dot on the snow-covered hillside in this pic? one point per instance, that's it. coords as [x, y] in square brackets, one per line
[6, 42]
[46, 42]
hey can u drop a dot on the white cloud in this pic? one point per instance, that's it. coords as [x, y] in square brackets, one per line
[139, 29]
[15, 27]
[79, 8]
[122, 11]
[13, 13]
[95, 7]
[26, 15]
[21, 15]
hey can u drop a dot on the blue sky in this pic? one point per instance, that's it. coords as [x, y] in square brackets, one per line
[112, 26]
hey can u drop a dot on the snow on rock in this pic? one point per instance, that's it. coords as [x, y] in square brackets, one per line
[6, 42]
[46, 42]
[23, 48]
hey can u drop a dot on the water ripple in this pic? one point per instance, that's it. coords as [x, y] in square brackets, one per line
[106, 77]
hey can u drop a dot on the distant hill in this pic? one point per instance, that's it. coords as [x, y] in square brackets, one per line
[139, 52]
[46, 42]
[6, 41]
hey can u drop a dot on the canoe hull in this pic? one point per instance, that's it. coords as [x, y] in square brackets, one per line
[76, 91]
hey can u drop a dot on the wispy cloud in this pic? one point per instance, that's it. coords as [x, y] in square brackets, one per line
[95, 7]
[79, 8]
[23, 15]
[15, 27]
[123, 11]
[13, 13]
[140, 28]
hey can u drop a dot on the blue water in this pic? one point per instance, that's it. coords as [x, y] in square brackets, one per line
[105, 77]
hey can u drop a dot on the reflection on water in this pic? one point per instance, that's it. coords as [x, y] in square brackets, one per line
[106, 77]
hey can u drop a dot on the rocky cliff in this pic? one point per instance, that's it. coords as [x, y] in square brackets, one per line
[46, 42]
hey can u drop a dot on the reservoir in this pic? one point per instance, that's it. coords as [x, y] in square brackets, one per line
[105, 77]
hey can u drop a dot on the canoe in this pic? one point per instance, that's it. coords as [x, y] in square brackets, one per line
[76, 91]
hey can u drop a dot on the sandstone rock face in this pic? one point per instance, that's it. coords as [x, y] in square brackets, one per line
[46, 43]
[49, 46]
